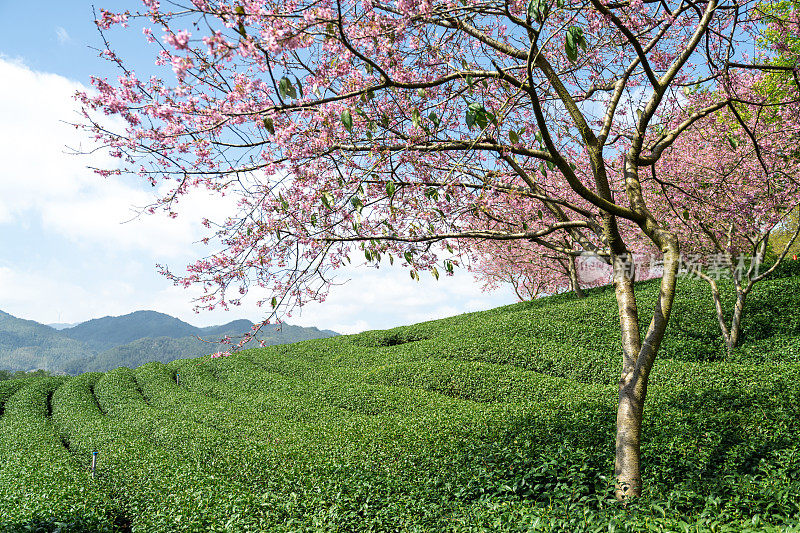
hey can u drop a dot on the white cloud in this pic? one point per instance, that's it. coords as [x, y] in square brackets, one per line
[45, 298]
[370, 300]
[41, 180]
[379, 299]
[62, 35]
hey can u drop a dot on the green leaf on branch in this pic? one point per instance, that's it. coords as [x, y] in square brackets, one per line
[269, 124]
[274, 302]
[357, 203]
[416, 118]
[347, 120]
[327, 200]
[513, 137]
[574, 40]
[538, 10]
[390, 188]
[477, 114]
[435, 273]
[286, 88]
[408, 257]
[434, 119]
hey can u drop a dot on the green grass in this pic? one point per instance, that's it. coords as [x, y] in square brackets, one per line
[500, 420]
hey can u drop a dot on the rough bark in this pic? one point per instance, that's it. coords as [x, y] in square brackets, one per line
[638, 358]
[736, 321]
[631, 398]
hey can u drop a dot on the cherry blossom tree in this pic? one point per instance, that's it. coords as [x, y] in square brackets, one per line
[728, 183]
[531, 270]
[404, 130]
[742, 173]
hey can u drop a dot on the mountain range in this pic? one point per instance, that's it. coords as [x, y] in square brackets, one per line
[130, 340]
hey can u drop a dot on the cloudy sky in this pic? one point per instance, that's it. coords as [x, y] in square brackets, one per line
[73, 247]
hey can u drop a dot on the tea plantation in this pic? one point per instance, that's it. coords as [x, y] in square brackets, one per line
[494, 421]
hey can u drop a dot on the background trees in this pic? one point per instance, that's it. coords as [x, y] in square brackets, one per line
[727, 185]
[416, 130]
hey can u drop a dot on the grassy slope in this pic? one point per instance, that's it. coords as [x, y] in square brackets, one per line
[498, 420]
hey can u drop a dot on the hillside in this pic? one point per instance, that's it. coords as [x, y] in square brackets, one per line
[104, 333]
[166, 349]
[129, 340]
[28, 345]
[501, 420]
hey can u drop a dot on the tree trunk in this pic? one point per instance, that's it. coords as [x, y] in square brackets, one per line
[575, 283]
[627, 463]
[736, 321]
[631, 395]
[638, 358]
[729, 336]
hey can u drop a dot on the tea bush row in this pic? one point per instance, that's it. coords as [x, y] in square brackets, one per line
[42, 486]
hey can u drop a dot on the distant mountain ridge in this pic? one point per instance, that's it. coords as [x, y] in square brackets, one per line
[107, 332]
[130, 340]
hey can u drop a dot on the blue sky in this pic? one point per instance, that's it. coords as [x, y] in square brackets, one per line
[72, 247]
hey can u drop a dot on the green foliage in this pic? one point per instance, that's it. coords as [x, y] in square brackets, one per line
[781, 236]
[501, 420]
[42, 486]
[789, 267]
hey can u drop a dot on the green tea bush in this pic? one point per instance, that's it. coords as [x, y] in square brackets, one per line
[481, 382]
[501, 420]
[42, 485]
[787, 269]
